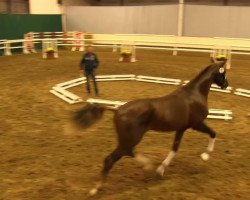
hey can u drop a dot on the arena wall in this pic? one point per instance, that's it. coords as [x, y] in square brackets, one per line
[217, 21]
[14, 26]
[126, 19]
[199, 20]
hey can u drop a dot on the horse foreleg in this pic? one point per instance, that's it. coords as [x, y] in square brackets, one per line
[178, 136]
[205, 129]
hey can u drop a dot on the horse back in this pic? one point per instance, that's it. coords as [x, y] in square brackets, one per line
[179, 110]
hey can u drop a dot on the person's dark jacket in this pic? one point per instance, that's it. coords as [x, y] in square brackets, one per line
[89, 62]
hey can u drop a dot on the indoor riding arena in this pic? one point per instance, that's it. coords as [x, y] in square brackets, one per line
[146, 50]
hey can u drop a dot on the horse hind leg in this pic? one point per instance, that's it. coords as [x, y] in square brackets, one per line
[205, 129]
[127, 141]
[109, 161]
[140, 158]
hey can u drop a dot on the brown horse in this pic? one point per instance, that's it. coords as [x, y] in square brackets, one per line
[184, 108]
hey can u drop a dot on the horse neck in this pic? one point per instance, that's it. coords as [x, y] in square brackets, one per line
[203, 81]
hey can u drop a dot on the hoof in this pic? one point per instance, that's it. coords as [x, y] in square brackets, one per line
[93, 192]
[205, 156]
[160, 170]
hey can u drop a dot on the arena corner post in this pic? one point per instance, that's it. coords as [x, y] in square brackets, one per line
[7, 49]
[180, 22]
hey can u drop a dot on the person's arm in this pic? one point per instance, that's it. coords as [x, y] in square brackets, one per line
[96, 61]
[82, 63]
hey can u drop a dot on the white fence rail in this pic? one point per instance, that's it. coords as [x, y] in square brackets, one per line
[167, 42]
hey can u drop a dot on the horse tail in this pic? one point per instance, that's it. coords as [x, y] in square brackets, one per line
[88, 115]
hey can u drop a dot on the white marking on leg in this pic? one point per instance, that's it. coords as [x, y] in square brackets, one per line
[160, 170]
[169, 158]
[94, 190]
[146, 162]
[211, 142]
[205, 156]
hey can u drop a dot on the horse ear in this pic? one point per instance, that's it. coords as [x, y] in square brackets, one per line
[224, 63]
[212, 59]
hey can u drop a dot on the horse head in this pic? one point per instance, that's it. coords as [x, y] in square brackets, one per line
[220, 77]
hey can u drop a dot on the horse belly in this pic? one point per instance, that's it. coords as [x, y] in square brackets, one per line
[170, 123]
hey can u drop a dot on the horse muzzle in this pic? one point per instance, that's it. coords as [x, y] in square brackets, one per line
[225, 85]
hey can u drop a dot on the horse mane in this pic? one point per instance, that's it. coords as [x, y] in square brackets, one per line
[209, 69]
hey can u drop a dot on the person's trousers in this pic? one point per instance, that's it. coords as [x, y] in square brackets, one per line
[91, 75]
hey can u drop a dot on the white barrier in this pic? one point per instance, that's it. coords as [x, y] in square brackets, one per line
[152, 79]
[216, 88]
[242, 92]
[213, 113]
[108, 103]
[220, 114]
[72, 83]
[116, 77]
[60, 89]
[81, 80]
[66, 95]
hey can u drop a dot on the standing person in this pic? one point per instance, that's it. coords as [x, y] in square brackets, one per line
[88, 65]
